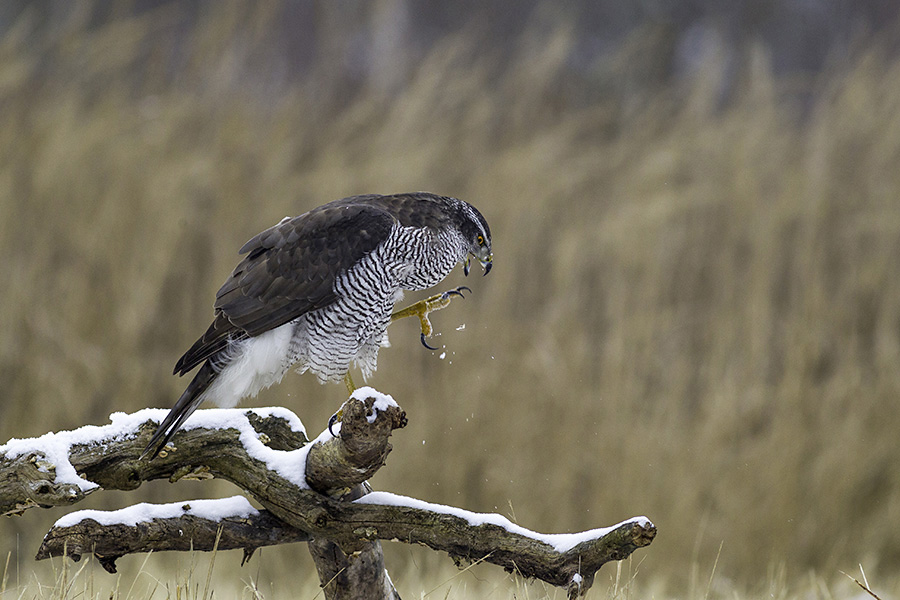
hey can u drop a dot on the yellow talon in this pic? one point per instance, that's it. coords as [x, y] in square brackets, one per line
[429, 305]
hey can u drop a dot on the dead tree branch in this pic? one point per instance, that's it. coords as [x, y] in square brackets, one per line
[111, 541]
[310, 490]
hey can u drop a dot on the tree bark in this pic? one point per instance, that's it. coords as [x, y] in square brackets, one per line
[110, 542]
[323, 508]
[360, 577]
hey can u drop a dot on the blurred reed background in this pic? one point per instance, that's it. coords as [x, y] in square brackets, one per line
[694, 312]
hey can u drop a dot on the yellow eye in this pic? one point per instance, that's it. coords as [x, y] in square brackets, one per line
[480, 239]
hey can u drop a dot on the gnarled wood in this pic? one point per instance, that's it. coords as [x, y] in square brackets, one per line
[358, 577]
[359, 450]
[186, 533]
[342, 527]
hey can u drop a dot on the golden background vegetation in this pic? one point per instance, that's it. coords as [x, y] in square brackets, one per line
[694, 312]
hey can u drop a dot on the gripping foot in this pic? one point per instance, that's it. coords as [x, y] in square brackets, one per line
[429, 305]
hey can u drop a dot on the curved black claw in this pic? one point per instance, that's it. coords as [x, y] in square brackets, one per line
[424, 343]
[457, 292]
[331, 421]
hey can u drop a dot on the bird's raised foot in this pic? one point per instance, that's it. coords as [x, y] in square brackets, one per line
[429, 305]
[456, 292]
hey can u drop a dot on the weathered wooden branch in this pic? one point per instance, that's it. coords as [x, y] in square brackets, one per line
[309, 490]
[43, 474]
[108, 542]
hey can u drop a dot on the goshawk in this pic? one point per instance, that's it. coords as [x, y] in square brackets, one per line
[317, 291]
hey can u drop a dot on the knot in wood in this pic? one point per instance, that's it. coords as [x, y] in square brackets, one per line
[320, 518]
[46, 494]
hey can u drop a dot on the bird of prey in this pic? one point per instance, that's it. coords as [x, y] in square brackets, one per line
[317, 291]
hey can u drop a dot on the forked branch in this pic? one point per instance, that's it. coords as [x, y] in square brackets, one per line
[307, 490]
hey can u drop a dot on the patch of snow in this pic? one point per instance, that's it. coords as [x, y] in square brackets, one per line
[289, 464]
[561, 542]
[236, 507]
[55, 446]
[280, 412]
[382, 401]
[577, 580]
[389, 590]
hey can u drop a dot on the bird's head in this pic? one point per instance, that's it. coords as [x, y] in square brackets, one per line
[477, 235]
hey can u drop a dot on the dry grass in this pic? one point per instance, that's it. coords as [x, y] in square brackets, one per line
[186, 579]
[694, 312]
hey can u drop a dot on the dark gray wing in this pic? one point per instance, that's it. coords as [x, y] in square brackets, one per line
[289, 270]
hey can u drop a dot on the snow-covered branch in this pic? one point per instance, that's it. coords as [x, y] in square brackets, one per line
[310, 490]
[61, 468]
[224, 524]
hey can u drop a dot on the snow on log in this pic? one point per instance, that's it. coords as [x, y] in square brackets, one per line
[223, 524]
[307, 490]
[61, 468]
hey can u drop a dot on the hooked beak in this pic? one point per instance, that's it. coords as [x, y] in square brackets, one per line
[486, 264]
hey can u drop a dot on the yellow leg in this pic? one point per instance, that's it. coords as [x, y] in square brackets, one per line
[336, 417]
[429, 305]
[348, 381]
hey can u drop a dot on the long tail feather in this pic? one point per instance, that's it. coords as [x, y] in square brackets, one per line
[187, 404]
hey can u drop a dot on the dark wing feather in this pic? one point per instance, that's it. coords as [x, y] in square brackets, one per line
[418, 209]
[215, 339]
[288, 270]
